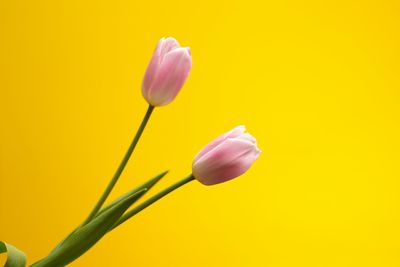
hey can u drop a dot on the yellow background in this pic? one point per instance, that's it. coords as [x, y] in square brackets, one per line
[317, 82]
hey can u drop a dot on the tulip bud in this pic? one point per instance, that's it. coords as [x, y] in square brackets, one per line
[225, 158]
[167, 72]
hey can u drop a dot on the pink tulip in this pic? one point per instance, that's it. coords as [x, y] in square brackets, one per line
[167, 72]
[225, 158]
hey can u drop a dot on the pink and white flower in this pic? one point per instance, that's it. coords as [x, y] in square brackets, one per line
[167, 72]
[225, 158]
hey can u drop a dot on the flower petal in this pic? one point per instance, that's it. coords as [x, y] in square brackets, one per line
[171, 76]
[168, 45]
[232, 133]
[152, 68]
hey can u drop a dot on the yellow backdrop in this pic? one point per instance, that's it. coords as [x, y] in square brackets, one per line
[317, 82]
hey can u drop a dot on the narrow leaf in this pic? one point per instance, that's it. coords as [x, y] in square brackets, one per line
[15, 257]
[86, 236]
[147, 185]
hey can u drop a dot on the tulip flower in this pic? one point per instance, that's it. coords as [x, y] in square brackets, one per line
[167, 72]
[225, 158]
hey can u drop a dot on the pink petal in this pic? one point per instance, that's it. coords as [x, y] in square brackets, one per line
[248, 137]
[168, 45]
[164, 46]
[152, 69]
[171, 76]
[232, 133]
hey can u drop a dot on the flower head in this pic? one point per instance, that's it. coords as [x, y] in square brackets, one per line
[225, 158]
[167, 72]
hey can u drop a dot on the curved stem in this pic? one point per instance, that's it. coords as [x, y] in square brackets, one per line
[151, 200]
[121, 167]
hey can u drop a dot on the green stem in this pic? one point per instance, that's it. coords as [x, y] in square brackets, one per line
[151, 200]
[121, 167]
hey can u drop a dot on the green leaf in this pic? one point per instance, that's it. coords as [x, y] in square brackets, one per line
[86, 236]
[147, 185]
[15, 257]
